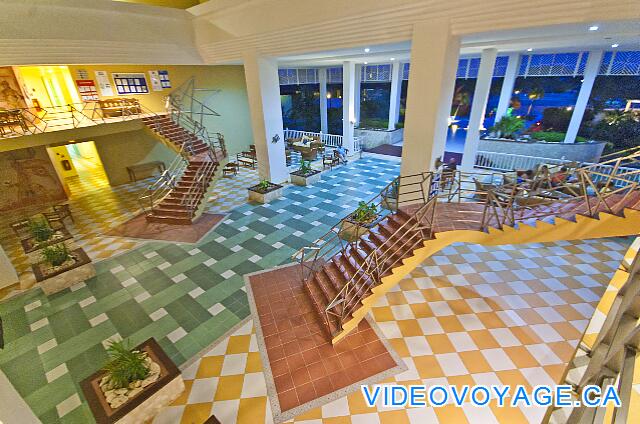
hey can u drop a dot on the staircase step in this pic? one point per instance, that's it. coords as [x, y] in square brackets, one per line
[330, 324]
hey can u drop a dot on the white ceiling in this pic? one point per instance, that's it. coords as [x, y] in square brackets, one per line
[554, 38]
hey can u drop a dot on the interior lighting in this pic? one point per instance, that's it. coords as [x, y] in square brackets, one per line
[367, 50]
[393, 58]
[594, 28]
[366, 63]
[328, 95]
[529, 49]
[614, 45]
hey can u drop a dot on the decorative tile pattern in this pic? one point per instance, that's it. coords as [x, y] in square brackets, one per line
[447, 332]
[151, 289]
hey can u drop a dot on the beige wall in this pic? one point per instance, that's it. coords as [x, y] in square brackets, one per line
[117, 151]
[230, 102]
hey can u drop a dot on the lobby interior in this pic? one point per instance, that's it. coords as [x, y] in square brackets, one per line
[149, 141]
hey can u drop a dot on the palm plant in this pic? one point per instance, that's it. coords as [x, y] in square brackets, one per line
[305, 167]
[40, 229]
[56, 255]
[125, 365]
[460, 98]
[536, 93]
[364, 213]
[508, 126]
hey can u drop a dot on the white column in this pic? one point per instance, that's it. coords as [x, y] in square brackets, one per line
[507, 85]
[590, 74]
[434, 59]
[394, 97]
[358, 92]
[322, 77]
[263, 92]
[478, 107]
[348, 105]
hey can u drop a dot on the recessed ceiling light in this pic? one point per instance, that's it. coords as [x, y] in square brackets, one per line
[367, 50]
[529, 49]
[615, 45]
[366, 63]
[393, 58]
[593, 28]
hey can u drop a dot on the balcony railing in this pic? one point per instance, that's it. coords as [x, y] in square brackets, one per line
[329, 140]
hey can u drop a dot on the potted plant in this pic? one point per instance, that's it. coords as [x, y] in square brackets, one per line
[134, 384]
[359, 222]
[305, 175]
[265, 191]
[61, 268]
[41, 235]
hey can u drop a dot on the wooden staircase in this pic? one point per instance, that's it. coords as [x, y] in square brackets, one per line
[343, 280]
[182, 200]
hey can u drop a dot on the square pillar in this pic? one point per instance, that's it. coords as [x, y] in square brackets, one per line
[263, 92]
[590, 73]
[348, 105]
[322, 79]
[358, 92]
[434, 60]
[478, 107]
[394, 96]
[508, 83]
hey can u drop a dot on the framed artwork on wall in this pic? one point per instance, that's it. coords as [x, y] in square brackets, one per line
[130, 84]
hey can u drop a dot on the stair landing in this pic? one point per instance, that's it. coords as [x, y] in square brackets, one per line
[304, 365]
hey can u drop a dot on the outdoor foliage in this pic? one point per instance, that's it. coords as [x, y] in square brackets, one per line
[56, 255]
[558, 118]
[621, 129]
[553, 137]
[125, 365]
[508, 126]
[377, 123]
[365, 213]
[40, 229]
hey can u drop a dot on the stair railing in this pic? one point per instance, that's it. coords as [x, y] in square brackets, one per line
[191, 199]
[604, 187]
[167, 181]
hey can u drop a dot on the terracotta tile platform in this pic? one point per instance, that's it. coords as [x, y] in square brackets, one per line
[303, 369]
[139, 227]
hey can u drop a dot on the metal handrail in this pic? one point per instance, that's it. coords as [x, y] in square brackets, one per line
[198, 188]
[166, 182]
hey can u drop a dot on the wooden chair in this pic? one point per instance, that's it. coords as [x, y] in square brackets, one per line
[329, 160]
[230, 168]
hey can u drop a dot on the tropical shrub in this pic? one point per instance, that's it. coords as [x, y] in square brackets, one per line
[125, 365]
[364, 213]
[553, 137]
[56, 255]
[508, 126]
[40, 229]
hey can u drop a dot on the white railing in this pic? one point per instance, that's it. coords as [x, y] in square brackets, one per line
[509, 162]
[329, 140]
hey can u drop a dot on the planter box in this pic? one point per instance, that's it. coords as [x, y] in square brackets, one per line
[275, 191]
[79, 271]
[33, 249]
[370, 138]
[146, 405]
[305, 180]
[351, 231]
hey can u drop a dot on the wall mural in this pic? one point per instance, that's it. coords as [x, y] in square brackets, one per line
[10, 95]
[27, 178]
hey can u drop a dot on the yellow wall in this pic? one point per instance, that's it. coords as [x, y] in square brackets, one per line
[60, 84]
[231, 102]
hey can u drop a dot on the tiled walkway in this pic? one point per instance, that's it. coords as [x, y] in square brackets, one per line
[469, 315]
[184, 295]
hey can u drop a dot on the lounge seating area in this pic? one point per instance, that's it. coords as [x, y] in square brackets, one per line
[120, 106]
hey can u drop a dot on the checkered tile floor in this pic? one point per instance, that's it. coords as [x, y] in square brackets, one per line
[184, 295]
[468, 315]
